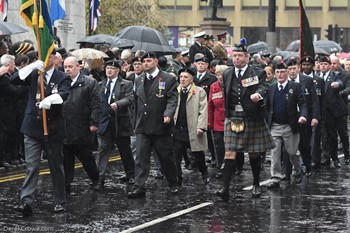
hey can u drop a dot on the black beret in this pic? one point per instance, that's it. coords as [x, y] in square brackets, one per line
[241, 47]
[113, 62]
[307, 59]
[136, 59]
[149, 55]
[291, 62]
[188, 70]
[324, 59]
[280, 66]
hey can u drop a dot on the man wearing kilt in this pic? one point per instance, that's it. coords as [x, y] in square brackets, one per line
[245, 126]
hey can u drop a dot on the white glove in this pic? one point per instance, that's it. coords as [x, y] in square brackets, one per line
[51, 99]
[25, 71]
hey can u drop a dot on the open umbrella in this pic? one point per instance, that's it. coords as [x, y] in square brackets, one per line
[147, 39]
[259, 47]
[293, 46]
[88, 54]
[328, 45]
[98, 39]
[286, 54]
[123, 44]
[7, 28]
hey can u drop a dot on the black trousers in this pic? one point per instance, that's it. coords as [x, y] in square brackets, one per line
[84, 154]
[220, 147]
[304, 145]
[163, 146]
[180, 148]
[316, 144]
[211, 146]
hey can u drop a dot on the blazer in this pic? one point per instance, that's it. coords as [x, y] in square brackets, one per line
[150, 109]
[295, 99]
[32, 126]
[122, 95]
[253, 111]
[205, 81]
[194, 49]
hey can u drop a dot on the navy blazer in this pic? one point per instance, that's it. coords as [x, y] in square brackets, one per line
[311, 99]
[295, 98]
[32, 126]
[122, 95]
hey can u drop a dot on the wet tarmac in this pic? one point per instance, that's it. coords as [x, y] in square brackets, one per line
[320, 204]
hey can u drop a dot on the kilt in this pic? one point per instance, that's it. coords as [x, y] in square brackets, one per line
[256, 137]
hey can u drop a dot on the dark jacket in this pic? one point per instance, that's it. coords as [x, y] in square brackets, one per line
[205, 81]
[82, 109]
[151, 109]
[194, 49]
[122, 95]
[253, 111]
[32, 126]
[295, 99]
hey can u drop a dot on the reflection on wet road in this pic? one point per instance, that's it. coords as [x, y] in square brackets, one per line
[320, 204]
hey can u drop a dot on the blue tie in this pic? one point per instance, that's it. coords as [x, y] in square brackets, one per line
[108, 91]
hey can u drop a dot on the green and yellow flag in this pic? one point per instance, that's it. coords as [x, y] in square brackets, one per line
[36, 15]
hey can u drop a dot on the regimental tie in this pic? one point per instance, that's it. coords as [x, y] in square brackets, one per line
[108, 90]
[199, 76]
[185, 90]
[239, 75]
[150, 77]
[281, 87]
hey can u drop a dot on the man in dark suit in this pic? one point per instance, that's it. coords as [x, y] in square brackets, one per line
[307, 64]
[313, 110]
[115, 126]
[197, 46]
[155, 105]
[334, 109]
[287, 109]
[82, 111]
[57, 86]
[245, 126]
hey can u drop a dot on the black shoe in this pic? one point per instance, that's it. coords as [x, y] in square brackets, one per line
[5, 164]
[347, 161]
[315, 165]
[131, 181]
[224, 194]
[96, 185]
[273, 185]
[137, 193]
[102, 182]
[256, 192]
[213, 163]
[308, 173]
[205, 179]
[326, 162]
[239, 171]
[218, 175]
[174, 190]
[59, 208]
[24, 208]
[336, 163]
[285, 178]
[189, 166]
[21, 161]
[159, 175]
[297, 178]
[13, 162]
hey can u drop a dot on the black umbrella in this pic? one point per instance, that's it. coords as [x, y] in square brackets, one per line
[98, 39]
[328, 45]
[7, 28]
[147, 39]
[286, 54]
[123, 44]
[293, 46]
[260, 47]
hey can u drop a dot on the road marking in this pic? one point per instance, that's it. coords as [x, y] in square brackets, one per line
[269, 180]
[165, 218]
[46, 171]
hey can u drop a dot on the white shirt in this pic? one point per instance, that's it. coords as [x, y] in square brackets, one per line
[154, 74]
[49, 74]
[243, 69]
[74, 80]
[114, 80]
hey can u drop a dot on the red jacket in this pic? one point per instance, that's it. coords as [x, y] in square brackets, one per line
[216, 108]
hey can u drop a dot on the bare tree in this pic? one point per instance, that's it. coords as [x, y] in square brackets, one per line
[117, 14]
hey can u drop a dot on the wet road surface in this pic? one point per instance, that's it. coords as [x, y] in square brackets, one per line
[320, 204]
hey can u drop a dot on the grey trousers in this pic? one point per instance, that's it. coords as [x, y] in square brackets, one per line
[282, 134]
[53, 150]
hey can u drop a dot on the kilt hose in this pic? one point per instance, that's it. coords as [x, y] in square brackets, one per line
[256, 137]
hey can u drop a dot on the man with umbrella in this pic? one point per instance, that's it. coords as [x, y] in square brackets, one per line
[156, 100]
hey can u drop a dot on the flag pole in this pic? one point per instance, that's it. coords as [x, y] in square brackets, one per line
[36, 23]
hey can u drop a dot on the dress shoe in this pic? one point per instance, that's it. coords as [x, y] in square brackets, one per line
[326, 162]
[256, 192]
[315, 165]
[239, 171]
[5, 164]
[336, 163]
[205, 179]
[59, 208]
[224, 194]
[174, 190]
[13, 162]
[189, 166]
[96, 185]
[213, 163]
[218, 175]
[285, 178]
[347, 161]
[297, 178]
[273, 185]
[131, 180]
[308, 173]
[137, 193]
[159, 175]
[21, 161]
[24, 208]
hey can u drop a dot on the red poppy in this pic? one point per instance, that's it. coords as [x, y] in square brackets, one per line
[160, 79]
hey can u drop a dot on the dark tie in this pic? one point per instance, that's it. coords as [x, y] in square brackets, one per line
[239, 75]
[199, 76]
[184, 90]
[323, 75]
[293, 80]
[150, 77]
[108, 90]
[281, 87]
